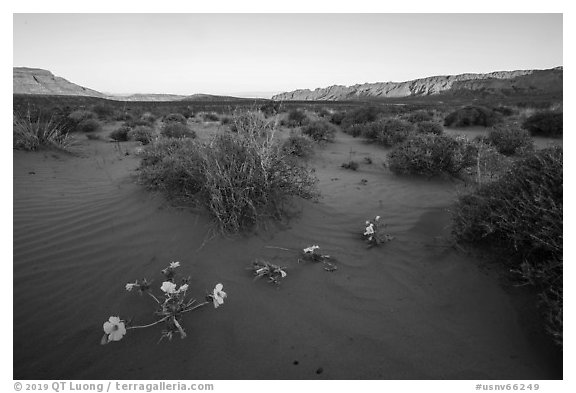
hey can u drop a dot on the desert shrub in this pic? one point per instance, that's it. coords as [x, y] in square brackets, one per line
[390, 132]
[429, 127]
[225, 120]
[296, 118]
[489, 164]
[358, 129]
[430, 154]
[211, 117]
[521, 214]
[148, 118]
[546, 123]
[419, 116]
[510, 140]
[250, 122]
[139, 122]
[121, 133]
[337, 117]
[298, 145]
[504, 110]
[177, 130]
[270, 108]
[88, 125]
[472, 116]
[174, 118]
[365, 114]
[79, 116]
[34, 134]
[103, 111]
[320, 131]
[143, 134]
[241, 178]
[352, 165]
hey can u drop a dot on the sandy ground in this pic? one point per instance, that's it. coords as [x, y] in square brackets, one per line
[414, 308]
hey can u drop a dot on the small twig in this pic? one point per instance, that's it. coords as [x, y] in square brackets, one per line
[279, 248]
[153, 297]
[195, 307]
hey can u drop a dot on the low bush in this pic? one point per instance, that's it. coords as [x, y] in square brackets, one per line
[419, 116]
[510, 140]
[337, 117]
[103, 111]
[320, 131]
[211, 117]
[430, 154]
[174, 118]
[29, 134]
[365, 114]
[121, 133]
[473, 116]
[352, 165]
[429, 127]
[298, 145]
[148, 118]
[249, 122]
[522, 215]
[80, 115]
[88, 125]
[177, 130]
[390, 132]
[296, 118]
[549, 124]
[143, 134]
[241, 178]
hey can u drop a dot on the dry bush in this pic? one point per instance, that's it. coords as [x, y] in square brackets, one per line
[522, 215]
[241, 178]
[31, 134]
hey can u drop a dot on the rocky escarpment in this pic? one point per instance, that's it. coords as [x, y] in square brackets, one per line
[504, 80]
[38, 81]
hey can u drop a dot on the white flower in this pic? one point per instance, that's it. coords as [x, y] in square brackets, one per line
[183, 288]
[168, 287]
[377, 218]
[310, 250]
[367, 222]
[369, 230]
[174, 265]
[130, 286]
[114, 328]
[283, 273]
[218, 295]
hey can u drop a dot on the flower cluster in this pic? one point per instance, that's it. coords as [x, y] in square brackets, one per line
[310, 254]
[373, 232]
[169, 310]
[272, 272]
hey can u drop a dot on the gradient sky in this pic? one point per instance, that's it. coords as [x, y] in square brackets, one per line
[240, 54]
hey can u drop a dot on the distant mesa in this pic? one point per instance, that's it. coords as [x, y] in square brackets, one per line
[42, 82]
[38, 81]
[500, 82]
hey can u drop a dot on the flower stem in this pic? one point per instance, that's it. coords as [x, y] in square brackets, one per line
[154, 297]
[195, 307]
[145, 326]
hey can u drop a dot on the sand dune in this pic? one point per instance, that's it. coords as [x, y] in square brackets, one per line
[414, 308]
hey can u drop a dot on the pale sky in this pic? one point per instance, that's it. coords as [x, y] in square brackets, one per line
[239, 54]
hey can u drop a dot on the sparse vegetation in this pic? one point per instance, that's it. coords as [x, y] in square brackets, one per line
[419, 116]
[473, 116]
[510, 140]
[174, 118]
[240, 177]
[89, 125]
[547, 123]
[121, 133]
[177, 130]
[298, 145]
[430, 154]
[429, 127]
[143, 134]
[31, 134]
[522, 214]
[320, 131]
[296, 118]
